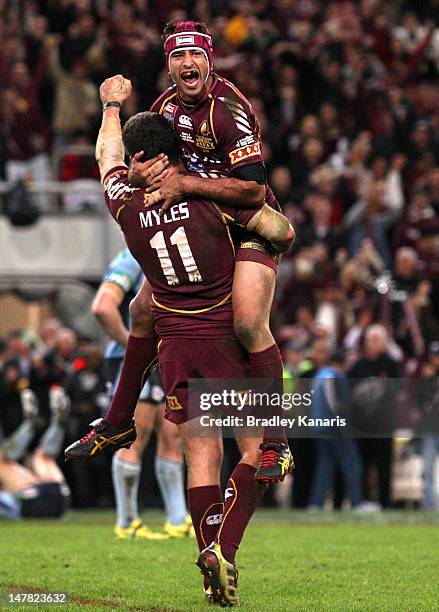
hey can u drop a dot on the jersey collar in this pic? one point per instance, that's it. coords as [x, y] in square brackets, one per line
[206, 97]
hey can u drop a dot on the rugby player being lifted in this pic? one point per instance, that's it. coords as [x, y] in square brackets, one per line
[220, 141]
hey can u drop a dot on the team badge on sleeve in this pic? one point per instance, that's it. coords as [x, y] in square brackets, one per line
[169, 111]
[244, 152]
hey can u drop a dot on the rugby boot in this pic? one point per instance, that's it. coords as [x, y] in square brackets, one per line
[208, 596]
[102, 436]
[222, 575]
[276, 462]
[137, 530]
[183, 530]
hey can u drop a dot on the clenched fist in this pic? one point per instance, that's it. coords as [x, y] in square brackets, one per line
[116, 89]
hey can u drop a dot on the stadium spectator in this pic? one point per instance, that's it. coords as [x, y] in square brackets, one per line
[428, 428]
[372, 216]
[320, 229]
[86, 386]
[374, 407]
[332, 400]
[49, 332]
[76, 96]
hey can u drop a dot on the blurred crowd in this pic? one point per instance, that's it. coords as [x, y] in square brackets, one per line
[57, 357]
[346, 93]
[347, 99]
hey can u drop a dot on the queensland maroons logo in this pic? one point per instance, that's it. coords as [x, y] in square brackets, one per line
[204, 140]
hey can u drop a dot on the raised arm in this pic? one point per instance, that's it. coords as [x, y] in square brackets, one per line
[109, 146]
[273, 226]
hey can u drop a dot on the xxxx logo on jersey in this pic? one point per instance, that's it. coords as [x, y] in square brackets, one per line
[244, 152]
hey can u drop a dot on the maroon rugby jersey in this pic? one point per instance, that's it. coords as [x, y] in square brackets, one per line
[187, 256]
[217, 135]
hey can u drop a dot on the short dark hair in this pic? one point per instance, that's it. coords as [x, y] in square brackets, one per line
[152, 134]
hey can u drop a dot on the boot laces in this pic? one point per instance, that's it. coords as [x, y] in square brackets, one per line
[269, 457]
[89, 437]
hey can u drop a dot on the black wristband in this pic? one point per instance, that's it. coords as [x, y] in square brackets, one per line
[110, 104]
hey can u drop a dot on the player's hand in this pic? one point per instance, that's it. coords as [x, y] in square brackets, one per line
[171, 191]
[149, 173]
[116, 89]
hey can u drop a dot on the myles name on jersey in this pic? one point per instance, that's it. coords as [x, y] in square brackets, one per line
[151, 218]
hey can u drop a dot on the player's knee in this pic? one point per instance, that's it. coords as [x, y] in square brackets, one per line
[249, 328]
[143, 434]
[213, 457]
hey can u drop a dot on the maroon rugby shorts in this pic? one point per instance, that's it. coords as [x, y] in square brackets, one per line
[254, 248]
[184, 358]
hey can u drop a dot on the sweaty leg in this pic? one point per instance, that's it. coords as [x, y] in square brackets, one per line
[203, 458]
[140, 357]
[243, 496]
[253, 291]
[126, 466]
[169, 470]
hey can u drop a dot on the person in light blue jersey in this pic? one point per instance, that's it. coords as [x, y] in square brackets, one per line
[120, 284]
[331, 401]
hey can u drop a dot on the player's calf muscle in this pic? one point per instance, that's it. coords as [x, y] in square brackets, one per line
[250, 452]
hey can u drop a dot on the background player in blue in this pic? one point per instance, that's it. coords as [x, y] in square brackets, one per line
[120, 284]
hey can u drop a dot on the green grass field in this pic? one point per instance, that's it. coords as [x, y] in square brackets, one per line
[288, 561]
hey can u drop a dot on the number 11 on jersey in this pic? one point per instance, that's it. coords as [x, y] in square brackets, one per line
[179, 239]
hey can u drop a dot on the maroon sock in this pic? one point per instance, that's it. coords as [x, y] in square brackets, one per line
[243, 496]
[206, 507]
[268, 364]
[140, 356]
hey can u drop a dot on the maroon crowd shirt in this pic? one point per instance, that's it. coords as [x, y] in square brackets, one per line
[219, 134]
[187, 255]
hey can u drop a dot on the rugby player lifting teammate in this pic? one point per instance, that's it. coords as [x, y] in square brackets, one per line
[192, 313]
[220, 141]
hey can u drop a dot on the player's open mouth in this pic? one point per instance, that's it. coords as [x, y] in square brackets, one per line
[190, 77]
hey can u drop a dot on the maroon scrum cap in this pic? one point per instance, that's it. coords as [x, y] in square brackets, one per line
[185, 36]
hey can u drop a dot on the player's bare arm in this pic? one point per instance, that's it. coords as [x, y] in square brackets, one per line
[105, 307]
[110, 151]
[230, 190]
[273, 226]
